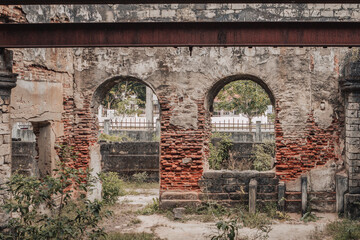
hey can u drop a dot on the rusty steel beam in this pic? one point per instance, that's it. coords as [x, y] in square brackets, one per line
[51, 2]
[174, 34]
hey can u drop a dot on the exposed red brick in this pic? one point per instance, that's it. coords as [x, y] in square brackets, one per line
[314, 148]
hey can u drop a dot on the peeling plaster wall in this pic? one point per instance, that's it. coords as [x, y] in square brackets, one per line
[193, 12]
[300, 79]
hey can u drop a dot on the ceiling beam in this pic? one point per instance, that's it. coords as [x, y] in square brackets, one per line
[62, 2]
[176, 34]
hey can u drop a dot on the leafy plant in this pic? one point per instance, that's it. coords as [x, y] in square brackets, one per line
[140, 178]
[54, 195]
[112, 187]
[263, 155]
[344, 230]
[227, 230]
[220, 153]
[132, 236]
[309, 216]
[115, 138]
[151, 208]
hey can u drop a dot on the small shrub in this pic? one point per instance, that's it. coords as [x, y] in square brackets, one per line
[112, 187]
[263, 155]
[55, 195]
[220, 154]
[132, 236]
[227, 230]
[344, 230]
[115, 138]
[151, 208]
[140, 178]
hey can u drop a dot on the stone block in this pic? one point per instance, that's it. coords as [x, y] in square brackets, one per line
[6, 118]
[352, 205]
[267, 174]
[179, 212]
[7, 138]
[5, 149]
[179, 195]
[4, 129]
[170, 204]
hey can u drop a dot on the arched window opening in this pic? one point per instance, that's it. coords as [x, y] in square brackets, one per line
[129, 131]
[242, 127]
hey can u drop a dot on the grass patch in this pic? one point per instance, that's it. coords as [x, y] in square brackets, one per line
[344, 230]
[151, 208]
[131, 236]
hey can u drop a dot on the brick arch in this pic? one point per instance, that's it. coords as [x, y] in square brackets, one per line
[215, 88]
[102, 89]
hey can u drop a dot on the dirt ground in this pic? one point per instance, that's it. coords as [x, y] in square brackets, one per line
[125, 219]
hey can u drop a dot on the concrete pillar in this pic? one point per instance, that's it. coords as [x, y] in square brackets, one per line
[304, 195]
[258, 131]
[350, 86]
[281, 196]
[252, 196]
[7, 82]
[107, 126]
[149, 107]
[341, 188]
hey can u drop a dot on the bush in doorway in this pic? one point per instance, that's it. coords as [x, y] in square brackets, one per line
[220, 153]
[264, 154]
[44, 208]
[112, 187]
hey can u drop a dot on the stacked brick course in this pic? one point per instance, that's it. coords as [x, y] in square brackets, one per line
[182, 151]
[80, 131]
[314, 148]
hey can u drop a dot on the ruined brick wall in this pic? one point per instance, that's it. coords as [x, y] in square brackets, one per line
[300, 80]
[313, 148]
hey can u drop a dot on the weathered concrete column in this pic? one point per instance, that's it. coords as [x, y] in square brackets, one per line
[252, 196]
[149, 107]
[281, 196]
[304, 195]
[351, 88]
[7, 82]
[341, 188]
[258, 131]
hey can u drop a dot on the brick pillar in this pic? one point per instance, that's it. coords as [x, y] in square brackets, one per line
[7, 82]
[351, 88]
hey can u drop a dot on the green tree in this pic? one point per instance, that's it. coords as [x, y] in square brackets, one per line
[245, 97]
[124, 96]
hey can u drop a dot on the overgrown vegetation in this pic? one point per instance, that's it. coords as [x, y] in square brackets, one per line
[140, 177]
[220, 153]
[339, 230]
[115, 138]
[112, 187]
[132, 236]
[43, 208]
[151, 208]
[221, 157]
[263, 155]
